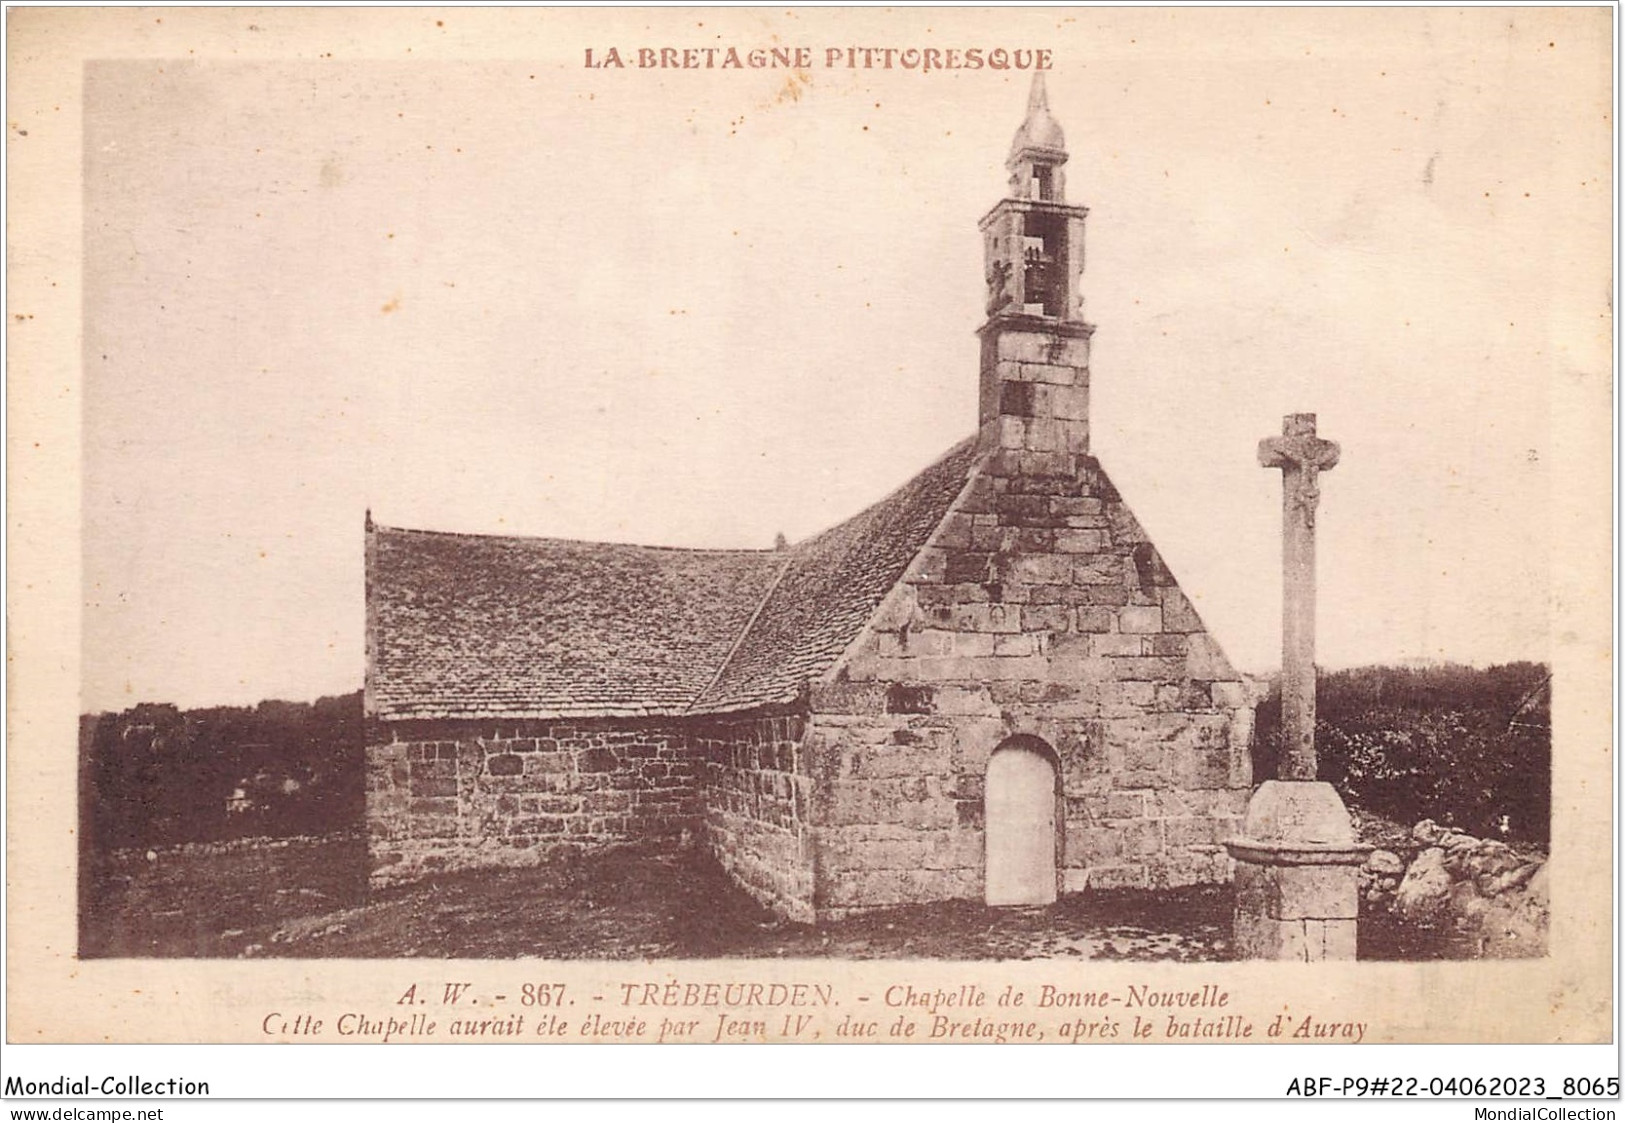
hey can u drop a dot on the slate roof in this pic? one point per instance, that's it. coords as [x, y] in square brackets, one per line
[483, 626]
[476, 626]
[831, 587]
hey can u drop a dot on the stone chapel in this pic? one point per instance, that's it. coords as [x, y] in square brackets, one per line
[986, 686]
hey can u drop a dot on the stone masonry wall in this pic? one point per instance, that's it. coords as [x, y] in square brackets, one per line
[756, 794]
[1040, 608]
[450, 795]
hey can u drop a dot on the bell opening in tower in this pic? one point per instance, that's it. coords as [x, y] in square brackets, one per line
[1045, 268]
[1044, 183]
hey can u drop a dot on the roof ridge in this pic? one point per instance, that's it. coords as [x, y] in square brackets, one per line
[733, 648]
[973, 474]
[739, 550]
[953, 450]
[742, 669]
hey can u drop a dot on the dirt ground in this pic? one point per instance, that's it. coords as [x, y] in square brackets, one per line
[306, 898]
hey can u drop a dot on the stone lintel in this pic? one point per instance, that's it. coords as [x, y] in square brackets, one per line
[1071, 210]
[1038, 325]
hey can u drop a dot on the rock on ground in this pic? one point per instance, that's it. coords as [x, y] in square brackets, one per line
[1425, 891]
[1386, 862]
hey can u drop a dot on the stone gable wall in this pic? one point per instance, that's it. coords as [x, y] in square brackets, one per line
[1040, 608]
[450, 795]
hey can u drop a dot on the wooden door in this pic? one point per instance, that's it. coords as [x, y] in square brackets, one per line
[1020, 824]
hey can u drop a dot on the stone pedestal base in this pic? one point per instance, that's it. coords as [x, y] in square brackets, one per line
[1297, 874]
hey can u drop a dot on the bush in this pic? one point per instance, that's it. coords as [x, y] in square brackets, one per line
[155, 775]
[1468, 748]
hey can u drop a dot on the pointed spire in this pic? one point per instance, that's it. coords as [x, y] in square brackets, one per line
[1040, 131]
[1038, 96]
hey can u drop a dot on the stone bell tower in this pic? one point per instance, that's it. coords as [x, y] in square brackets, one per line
[1035, 344]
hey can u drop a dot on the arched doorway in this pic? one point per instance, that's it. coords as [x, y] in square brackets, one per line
[1021, 823]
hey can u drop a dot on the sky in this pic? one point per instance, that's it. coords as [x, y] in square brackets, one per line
[496, 291]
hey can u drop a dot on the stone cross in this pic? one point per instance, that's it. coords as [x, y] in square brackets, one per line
[1301, 456]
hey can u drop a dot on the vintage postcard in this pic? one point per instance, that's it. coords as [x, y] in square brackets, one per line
[725, 526]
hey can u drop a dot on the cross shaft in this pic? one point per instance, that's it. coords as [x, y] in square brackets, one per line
[1301, 456]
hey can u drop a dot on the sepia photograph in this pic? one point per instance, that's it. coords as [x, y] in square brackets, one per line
[829, 525]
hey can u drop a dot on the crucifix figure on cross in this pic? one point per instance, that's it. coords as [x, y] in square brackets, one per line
[1301, 456]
